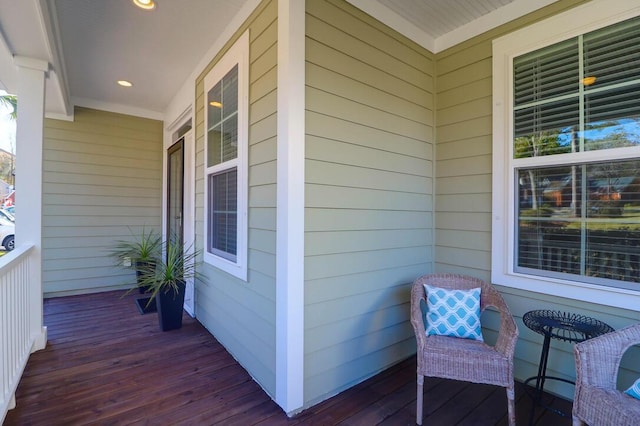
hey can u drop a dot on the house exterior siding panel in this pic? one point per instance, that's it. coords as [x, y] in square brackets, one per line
[398, 183]
[357, 134]
[480, 145]
[102, 175]
[463, 199]
[242, 314]
[368, 195]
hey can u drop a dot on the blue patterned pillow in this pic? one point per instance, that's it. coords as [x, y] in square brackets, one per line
[634, 390]
[453, 313]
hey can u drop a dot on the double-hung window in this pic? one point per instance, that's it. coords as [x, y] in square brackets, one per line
[567, 157]
[226, 129]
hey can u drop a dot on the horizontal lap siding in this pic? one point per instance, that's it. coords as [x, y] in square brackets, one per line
[102, 179]
[463, 200]
[368, 198]
[463, 158]
[241, 315]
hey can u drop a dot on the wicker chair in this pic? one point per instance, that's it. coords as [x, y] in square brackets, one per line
[597, 401]
[464, 359]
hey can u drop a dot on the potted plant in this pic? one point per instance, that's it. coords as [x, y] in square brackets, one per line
[140, 252]
[167, 282]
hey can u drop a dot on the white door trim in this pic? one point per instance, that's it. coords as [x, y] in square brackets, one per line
[188, 212]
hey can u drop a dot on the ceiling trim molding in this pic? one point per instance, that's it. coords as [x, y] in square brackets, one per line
[56, 116]
[488, 22]
[117, 108]
[31, 63]
[234, 25]
[8, 70]
[185, 96]
[180, 120]
[397, 22]
[50, 28]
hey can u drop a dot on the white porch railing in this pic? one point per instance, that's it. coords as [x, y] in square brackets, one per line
[21, 328]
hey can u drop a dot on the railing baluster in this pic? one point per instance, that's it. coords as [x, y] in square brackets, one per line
[16, 339]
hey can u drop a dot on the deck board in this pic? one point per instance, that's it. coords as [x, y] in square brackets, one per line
[106, 364]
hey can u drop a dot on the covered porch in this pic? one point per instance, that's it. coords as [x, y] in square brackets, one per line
[370, 159]
[105, 363]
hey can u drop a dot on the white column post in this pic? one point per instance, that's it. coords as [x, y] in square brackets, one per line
[29, 142]
[290, 207]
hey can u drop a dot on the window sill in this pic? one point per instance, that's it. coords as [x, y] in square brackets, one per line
[235, 269]
[574, 290]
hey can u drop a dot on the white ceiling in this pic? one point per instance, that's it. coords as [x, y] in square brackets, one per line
[93, 43]
[438, 17]
[106, 41]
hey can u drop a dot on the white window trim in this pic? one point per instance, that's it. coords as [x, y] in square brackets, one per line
[238, 54]
[579, 20]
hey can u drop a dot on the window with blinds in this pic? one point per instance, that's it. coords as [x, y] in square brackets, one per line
[224, 214]
[222, 150]
[226, 112]
[578, 216]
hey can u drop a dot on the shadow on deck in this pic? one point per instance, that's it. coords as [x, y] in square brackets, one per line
[107, 364]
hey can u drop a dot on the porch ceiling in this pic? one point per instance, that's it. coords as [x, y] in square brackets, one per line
[91, 44]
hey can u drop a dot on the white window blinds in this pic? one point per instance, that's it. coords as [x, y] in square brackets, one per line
[578, 218]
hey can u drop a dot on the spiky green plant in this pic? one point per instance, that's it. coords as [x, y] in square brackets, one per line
[10, 101]
[145, 247]
[178, 265]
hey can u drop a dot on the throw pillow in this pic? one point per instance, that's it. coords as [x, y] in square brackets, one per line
[454, 313]
[634, 390]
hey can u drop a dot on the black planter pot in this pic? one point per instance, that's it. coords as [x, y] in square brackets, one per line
[146, 305]
[170, 305]
[140, 267]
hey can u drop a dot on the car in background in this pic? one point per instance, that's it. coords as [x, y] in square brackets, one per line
[7, 234]
[4, 213]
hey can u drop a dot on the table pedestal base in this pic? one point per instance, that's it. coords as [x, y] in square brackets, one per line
[536, 393]
[564, 326]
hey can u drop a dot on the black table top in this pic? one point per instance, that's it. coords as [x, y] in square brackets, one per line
[564, 325]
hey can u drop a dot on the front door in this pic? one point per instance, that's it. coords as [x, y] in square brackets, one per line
[180, 201]
[175, 191]
[175, 219]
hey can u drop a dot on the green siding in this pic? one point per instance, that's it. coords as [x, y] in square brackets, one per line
[376, 103]
[368, 194]
[102, 176]
[242, 314]
[463, 199]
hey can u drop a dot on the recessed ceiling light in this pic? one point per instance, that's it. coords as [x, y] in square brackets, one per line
[125, 83]
[215, 104]
[588, 81]
[145, 4]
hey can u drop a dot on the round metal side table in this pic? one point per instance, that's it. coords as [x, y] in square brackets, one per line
[568, 327]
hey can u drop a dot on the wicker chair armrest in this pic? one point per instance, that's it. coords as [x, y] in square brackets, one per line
[490, 297]
[598, 359]
[417, 320]
[508, 333]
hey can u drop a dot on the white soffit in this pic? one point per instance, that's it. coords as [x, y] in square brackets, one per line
[92, 43]
[439, 24]
[25, 32]
[109, 40]
[484, 23]
[8, 71]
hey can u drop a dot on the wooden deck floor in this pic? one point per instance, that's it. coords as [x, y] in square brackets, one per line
[106, 364]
